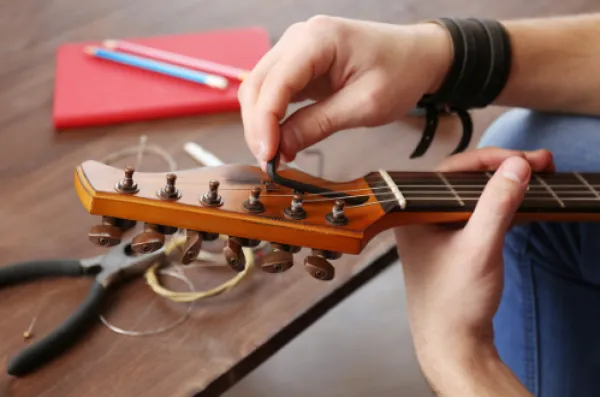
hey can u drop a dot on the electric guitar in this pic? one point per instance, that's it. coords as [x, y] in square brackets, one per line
[292, 209]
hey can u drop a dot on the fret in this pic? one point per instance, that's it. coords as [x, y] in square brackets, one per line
[460, 191]
[394, 188]
[550, 190]
[449, 186]
[586, 183]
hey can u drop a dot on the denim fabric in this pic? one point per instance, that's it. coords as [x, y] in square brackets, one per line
[547, 328]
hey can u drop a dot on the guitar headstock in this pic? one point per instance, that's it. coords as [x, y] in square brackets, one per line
[237, 201]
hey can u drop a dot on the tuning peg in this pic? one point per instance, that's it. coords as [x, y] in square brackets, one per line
[319, 267]
[105, 235]
[193, 247]
[337, 217]
[295, 211]
[278, 261]
[253, 204]
[127, 184]
[234, 254]
[150, 240]
[212, 198]
[169, 192]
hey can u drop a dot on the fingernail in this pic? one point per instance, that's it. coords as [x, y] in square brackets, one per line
[515, 169]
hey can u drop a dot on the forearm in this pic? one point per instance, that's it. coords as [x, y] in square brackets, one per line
[555, 64]
[477, 373]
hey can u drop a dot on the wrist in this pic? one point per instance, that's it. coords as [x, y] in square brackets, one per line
[469, 370]
[435, 44]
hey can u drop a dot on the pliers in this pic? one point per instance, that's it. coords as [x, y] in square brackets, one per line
[117, 265]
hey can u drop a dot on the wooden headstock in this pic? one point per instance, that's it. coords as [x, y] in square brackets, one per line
[238, 201]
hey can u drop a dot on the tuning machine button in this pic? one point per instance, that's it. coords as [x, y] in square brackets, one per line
[110, 231]
[151, 239]
[278, 260]
[192, 247]
[318, 266]
[105, 235]
[234, 254]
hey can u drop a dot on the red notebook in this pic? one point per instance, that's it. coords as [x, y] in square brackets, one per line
[89, 91]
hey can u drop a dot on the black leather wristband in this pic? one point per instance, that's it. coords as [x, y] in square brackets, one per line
[500, 64]
[456, 69]
[479, 64]
[480, 67]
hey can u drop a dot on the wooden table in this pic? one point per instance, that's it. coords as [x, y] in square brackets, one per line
[41, 217]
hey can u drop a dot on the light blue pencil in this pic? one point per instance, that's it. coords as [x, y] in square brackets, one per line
[159, 67]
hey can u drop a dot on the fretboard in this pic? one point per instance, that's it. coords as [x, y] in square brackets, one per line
[450, 192]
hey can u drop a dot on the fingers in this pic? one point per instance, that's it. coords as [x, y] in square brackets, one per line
[489, 159]
[250, 89]
[275, 85]
[316, 122]
[498, 203]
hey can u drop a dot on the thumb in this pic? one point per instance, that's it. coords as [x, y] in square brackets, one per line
[317, 121]
[499, 202]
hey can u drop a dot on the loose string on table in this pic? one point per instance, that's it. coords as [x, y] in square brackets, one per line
[177, 241]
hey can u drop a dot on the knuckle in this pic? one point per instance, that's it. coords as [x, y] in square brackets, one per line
[293, 29]
[325, 27]
[321, 21]
[324, 122]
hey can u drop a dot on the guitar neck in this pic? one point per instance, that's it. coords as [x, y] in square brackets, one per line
[566, 196]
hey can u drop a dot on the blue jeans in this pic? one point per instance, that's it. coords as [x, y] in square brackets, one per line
[547, 329]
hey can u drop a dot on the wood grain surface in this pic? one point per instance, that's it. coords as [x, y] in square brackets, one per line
[41, 217]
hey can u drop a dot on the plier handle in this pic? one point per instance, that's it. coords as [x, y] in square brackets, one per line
[119, 263]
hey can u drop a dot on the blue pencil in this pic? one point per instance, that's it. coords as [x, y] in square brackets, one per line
[159, 67]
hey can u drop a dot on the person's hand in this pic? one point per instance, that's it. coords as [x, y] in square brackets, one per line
[359, 73]
[454, 277]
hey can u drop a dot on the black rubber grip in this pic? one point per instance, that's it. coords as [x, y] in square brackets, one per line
[308, 188]
[27, 271]
[63, 337]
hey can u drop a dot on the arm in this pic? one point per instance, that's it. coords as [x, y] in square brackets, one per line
[476, 373]
[555, 64]
[365, 74]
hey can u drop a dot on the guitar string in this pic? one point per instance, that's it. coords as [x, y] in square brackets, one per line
[451, 199]
[409, 194]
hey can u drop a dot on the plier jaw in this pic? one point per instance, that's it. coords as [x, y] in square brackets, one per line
[118, 264]
[121, 263]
